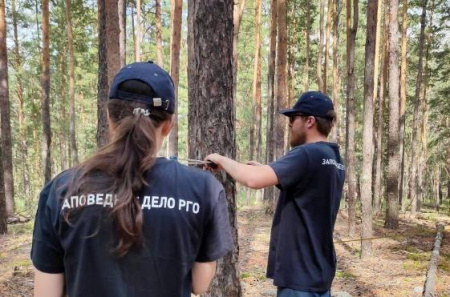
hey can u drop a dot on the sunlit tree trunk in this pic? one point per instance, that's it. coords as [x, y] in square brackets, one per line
[335, 14]
[159, 50]
[211, 112]
[138, 32]
[238, 10]
[175, 42]
[416, 116]
[320, 46]
[307, 40]
[72, 134]
[45, 99]
[352, 27]
[367, 162]
[391, 220]
[403, 98]
[327, 45]
[20, 97]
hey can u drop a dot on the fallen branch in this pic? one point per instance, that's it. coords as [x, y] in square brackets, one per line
[17, 220]
[428, 290]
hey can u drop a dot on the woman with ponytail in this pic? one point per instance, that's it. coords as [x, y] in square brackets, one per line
[126, 223]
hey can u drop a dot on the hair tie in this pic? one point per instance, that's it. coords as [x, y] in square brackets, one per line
[140, 111]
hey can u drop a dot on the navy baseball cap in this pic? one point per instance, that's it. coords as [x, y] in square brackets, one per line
[311, 103]
[162, 95]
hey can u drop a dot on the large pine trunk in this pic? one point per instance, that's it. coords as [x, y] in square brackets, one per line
[175, 42]
[45, 99]
[3, 213]
[5, 130]
[109, 60]
[352, 27]
[211, 111]
[72, 134]
[391, 220]
[413, 173]
[367, 162]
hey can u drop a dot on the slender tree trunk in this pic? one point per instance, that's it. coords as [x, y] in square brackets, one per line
[403, 98]
[211, 111]
[20, 97]
[367, 162]
[122, 11]
[175, 42]
[3, 212]
[335, 13]
[255, 143]
[391, 221]
[5, 131]
[327, 45]
[72, 134]
[138, 34]
[416, 117]
[381, 107]
[45, 101]
[159, 50]
[352, 27]
[238, 10]
[320, 46]
[109, 61]
[62, 115]
[307, 33]
[269, 193]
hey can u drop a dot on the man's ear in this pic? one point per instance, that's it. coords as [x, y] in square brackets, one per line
[167, 126]
[310, 121]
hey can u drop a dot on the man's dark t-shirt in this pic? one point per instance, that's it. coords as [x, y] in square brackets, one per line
[302, 255]
[185, 221]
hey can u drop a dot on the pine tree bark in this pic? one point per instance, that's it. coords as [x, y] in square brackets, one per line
[381, 107]
[403, 98]
[3, 212]
[5, 131]
[122, 11]
[413, 182]
[211, 111]
[159, 50]
[45, 99]
[327, 45]
[175, 42]
[72, 132]
[138, 34]
[269, 193]
[320, 47]
[238, 10]
[109, 57]
[367, 162]
[307, 41]
[352, 27]
[20, 97]
[336, 136]
[391, 220]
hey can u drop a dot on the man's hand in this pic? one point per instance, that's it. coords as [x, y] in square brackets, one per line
[216, 159]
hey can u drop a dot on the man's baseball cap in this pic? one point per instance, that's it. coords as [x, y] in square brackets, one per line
[312, 103]
[161, 94]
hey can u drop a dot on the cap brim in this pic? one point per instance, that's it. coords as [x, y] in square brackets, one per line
[288, 112]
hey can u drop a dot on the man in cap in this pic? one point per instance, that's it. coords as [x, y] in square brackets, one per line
[302, 260]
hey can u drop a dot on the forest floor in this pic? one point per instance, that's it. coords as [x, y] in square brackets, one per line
[398, 267]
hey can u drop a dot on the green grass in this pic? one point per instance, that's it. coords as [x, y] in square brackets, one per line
[344, 274]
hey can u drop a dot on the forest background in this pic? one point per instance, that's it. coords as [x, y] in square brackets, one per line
[385, 64]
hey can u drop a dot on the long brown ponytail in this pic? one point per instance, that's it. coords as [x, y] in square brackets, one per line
[119, 168]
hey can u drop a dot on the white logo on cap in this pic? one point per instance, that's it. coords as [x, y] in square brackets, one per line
[157, 102]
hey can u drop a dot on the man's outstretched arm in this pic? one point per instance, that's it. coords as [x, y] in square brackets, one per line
[252, 176]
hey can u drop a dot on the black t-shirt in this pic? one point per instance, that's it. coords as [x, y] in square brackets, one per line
[301, 255]
[185, 221]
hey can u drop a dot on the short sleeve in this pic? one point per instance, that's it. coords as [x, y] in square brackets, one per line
[216, 240]
[46, 251]
[292, 168]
